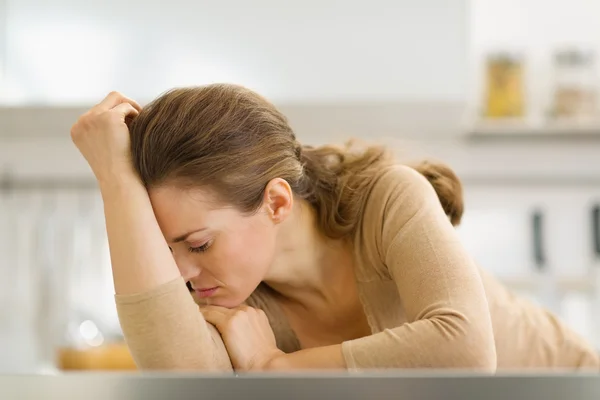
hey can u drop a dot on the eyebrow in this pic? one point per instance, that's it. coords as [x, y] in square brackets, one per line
[181, 238]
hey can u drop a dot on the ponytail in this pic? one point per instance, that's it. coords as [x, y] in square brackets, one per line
[447, 186]
[335, 181]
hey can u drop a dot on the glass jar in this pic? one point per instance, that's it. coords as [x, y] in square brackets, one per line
[505, 87]
[575, 85]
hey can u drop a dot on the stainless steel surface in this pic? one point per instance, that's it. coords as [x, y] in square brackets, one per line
[406, 386]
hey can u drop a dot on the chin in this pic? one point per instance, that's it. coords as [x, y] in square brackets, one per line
[225, 297]
[226, 302]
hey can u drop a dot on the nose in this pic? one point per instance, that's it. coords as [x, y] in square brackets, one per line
[187, 267]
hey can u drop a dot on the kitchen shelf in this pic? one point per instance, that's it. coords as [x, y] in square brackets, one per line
[562, 285]
[519, 129]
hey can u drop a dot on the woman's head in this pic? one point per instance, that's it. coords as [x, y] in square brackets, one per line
[206, 156]
[222, 162]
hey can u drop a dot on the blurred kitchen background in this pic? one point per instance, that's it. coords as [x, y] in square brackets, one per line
[505, 91]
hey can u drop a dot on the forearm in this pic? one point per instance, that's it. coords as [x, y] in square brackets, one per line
[140, 257]
[327, 357]
[160, 321]
[440, 342]
[422, 346]
[165, 331]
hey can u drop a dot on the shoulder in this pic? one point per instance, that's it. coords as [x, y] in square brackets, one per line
[399, 190]
[397, 194]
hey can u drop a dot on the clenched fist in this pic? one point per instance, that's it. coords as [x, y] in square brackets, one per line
[247, 335]
[102, 136]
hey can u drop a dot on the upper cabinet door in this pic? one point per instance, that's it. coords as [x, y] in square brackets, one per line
[72, 51]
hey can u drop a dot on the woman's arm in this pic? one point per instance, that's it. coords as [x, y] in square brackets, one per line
[161, 323]
[140, 257]
[327, 357]
[449, 324]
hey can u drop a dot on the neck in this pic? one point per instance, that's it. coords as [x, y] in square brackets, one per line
[309, 267]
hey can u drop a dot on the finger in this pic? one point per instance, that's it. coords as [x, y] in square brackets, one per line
[223, 310]
[133, 103]
[112, 100]
[215, 315]
[125, 110]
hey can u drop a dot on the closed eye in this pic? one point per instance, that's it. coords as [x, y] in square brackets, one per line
[200, 249]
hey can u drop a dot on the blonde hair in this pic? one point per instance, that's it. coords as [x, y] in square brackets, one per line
[232, 140]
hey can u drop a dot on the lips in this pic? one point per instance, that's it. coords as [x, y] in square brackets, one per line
[208, 292]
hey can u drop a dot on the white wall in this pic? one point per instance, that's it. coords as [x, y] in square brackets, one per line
[3, 21]
[71, 51]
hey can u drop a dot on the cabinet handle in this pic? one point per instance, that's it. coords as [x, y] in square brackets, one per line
[538, 240]
[596, 229]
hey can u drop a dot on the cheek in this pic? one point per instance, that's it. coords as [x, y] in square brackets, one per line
[250, 250]
[255, 245]
[241, 260]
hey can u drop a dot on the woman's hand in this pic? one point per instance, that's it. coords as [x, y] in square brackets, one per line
[102, 136]
[247, 335]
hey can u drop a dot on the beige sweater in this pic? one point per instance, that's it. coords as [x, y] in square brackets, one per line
[426, 301]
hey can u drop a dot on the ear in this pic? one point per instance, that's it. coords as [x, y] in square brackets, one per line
[278, 200]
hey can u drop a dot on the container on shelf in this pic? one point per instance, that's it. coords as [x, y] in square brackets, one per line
[575, 92]
[504, 86]
[113, 357]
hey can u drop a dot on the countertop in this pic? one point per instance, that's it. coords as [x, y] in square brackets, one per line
[396, 385]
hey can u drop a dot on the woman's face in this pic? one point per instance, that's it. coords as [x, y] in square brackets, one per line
[223, 253]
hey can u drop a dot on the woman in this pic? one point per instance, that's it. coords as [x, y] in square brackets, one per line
[352, 260]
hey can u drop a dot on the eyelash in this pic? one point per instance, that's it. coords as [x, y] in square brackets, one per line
[200, 249]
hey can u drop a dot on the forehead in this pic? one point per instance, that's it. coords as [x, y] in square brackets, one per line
[176, 194]
[178, 209]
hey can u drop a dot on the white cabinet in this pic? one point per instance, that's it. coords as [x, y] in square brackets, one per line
[499, 230]
[498, 237]
[556, 266]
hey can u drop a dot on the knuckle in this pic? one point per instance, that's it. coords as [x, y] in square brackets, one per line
[78, 127]
[82, 119]
[116, 96]
[74, 131]
[229, 323]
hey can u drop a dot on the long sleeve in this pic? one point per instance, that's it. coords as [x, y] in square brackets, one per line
[164, 330]
[443, 298]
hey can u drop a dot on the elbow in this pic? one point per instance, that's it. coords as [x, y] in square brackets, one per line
[472, 345]
[480, 358]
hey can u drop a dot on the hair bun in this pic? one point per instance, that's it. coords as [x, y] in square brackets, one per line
[447, 186]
